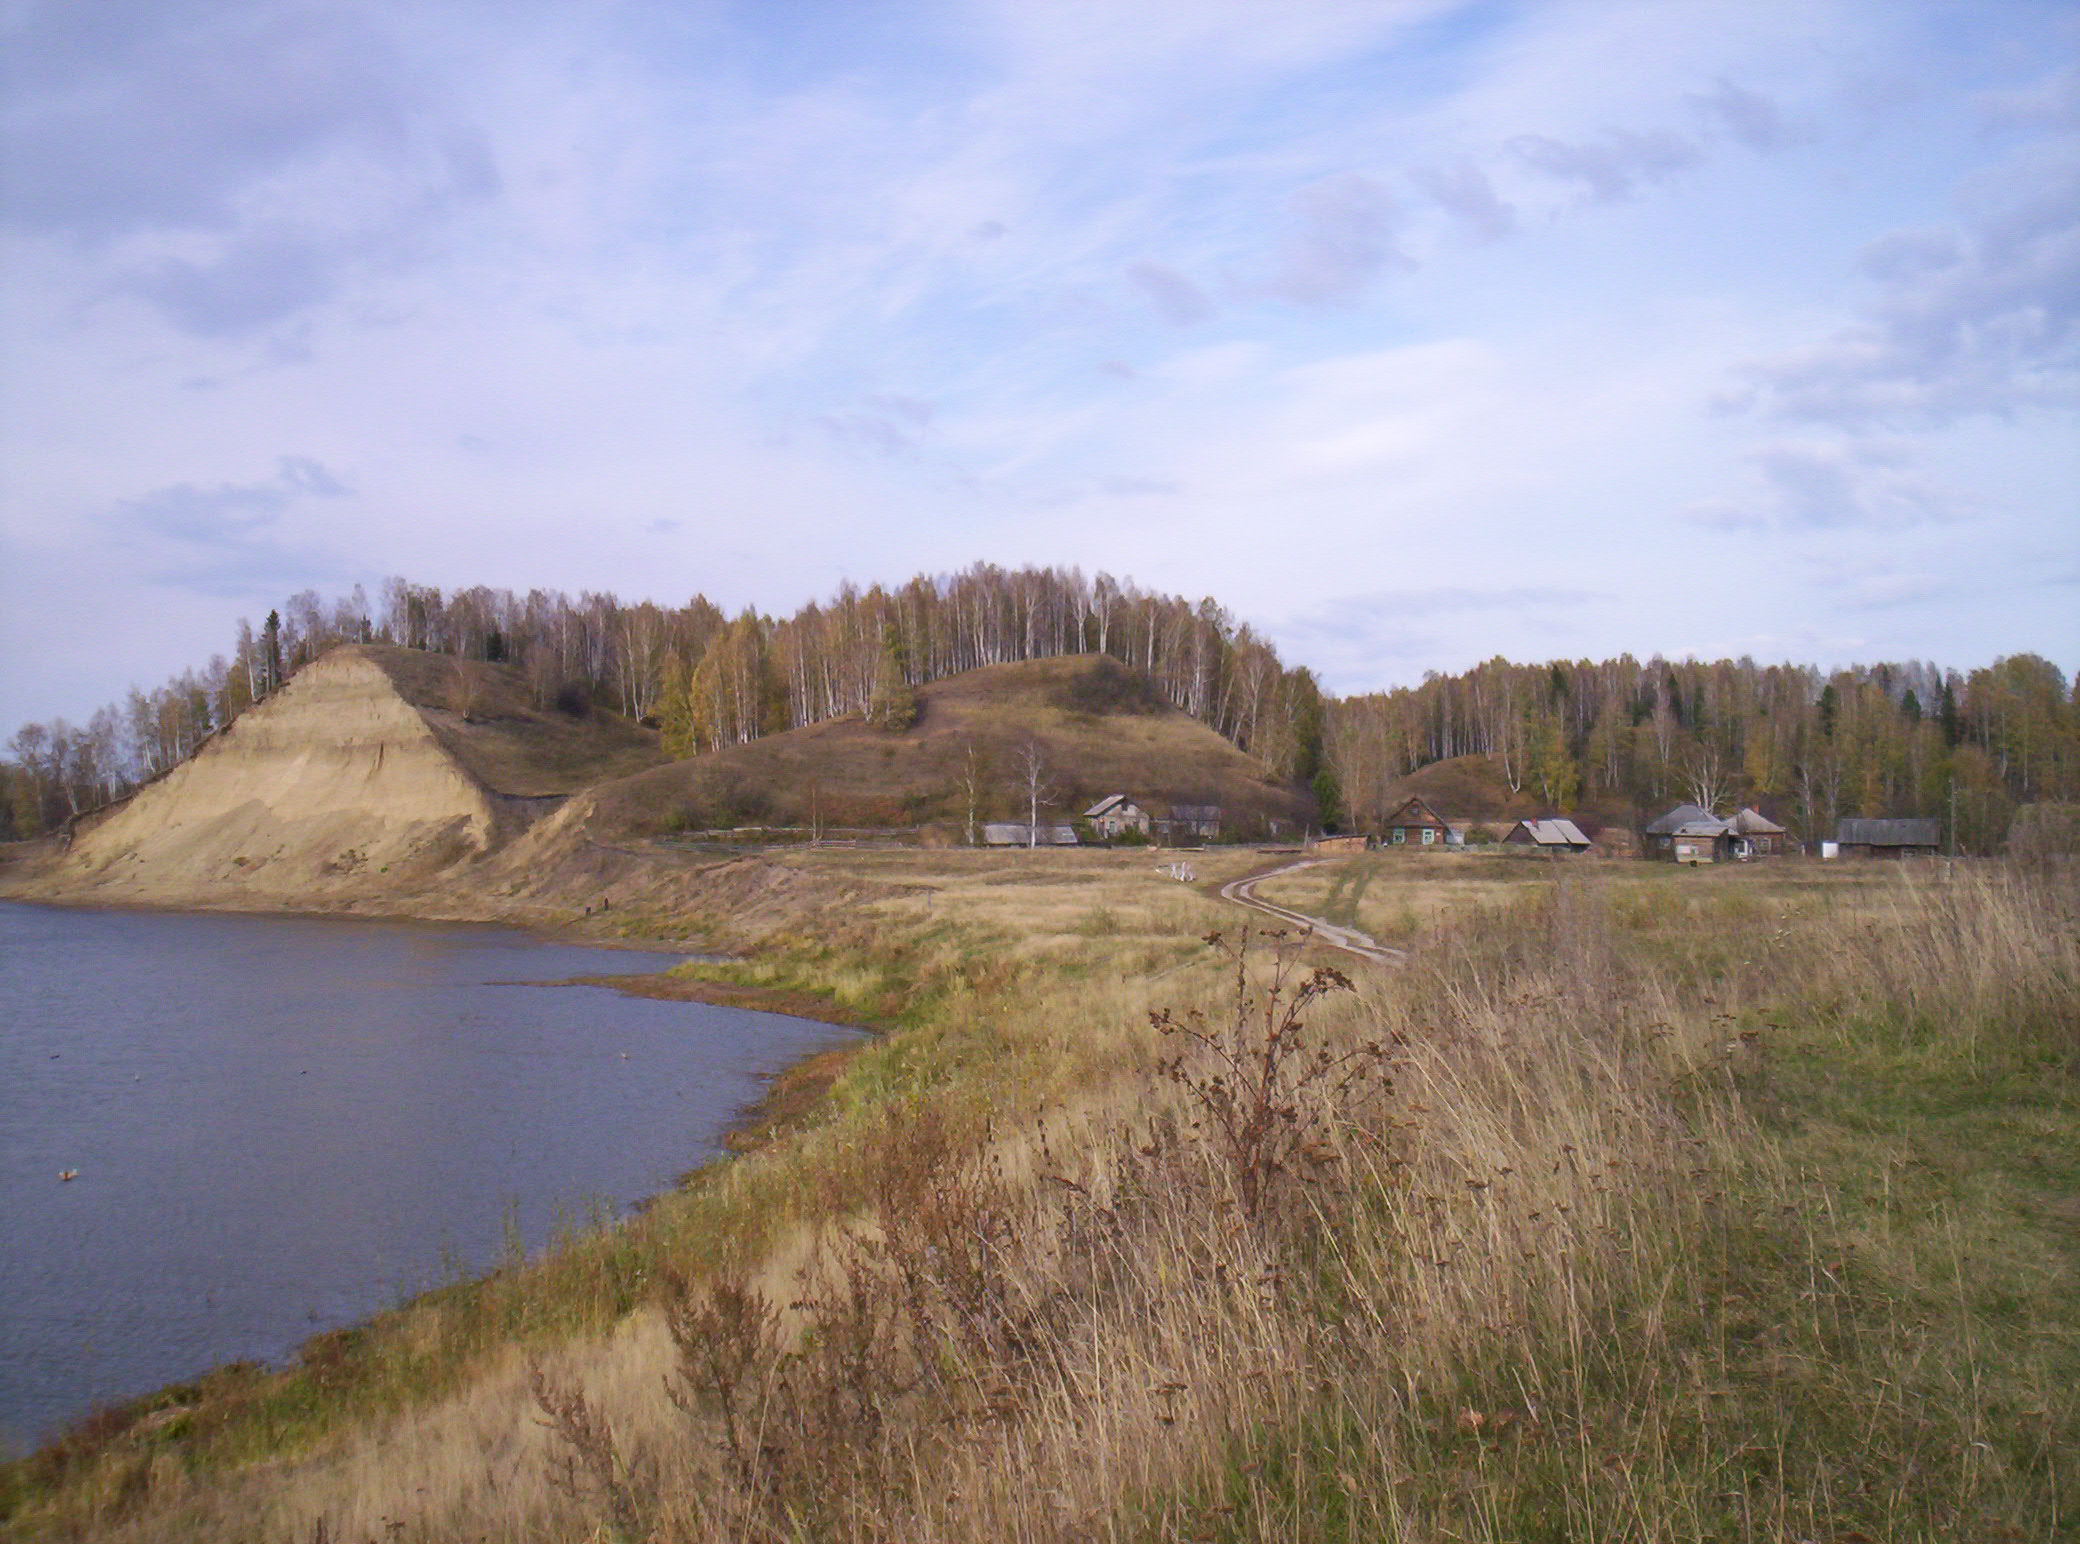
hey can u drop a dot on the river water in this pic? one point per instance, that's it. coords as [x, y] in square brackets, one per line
[281, 1125]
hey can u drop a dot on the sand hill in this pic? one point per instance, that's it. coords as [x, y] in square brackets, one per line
[374, 770]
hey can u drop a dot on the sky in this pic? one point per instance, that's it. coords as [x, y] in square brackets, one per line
[1413, 331]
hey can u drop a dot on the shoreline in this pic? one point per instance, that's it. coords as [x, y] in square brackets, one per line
[787, 1098]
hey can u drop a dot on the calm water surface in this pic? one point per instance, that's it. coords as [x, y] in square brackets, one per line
[282, 1125]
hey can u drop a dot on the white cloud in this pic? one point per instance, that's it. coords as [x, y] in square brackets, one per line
[1982, 318]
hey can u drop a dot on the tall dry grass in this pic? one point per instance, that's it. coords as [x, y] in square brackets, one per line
[1519, 1243]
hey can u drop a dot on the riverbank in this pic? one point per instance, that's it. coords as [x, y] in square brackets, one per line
[1599, 1196]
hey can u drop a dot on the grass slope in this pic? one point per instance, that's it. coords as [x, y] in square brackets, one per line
[1099, 725]
[484, 715]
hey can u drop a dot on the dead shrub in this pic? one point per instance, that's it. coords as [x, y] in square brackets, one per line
[1267, 1092]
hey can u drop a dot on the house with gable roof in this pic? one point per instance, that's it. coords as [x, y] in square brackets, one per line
[1689, 833]
[1116, 814]
[1415, 824]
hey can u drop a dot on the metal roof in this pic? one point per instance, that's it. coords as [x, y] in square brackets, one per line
[1555, 833]
[1685, 815]
[1750, 822]
[1014, 833]
[1104, 804]
[1863, 832]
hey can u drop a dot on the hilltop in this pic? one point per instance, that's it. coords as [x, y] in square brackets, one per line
[1098, 725]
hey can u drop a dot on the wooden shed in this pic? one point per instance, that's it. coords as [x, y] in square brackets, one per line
[1865, 838]
[1548, 836]
[1190, 823]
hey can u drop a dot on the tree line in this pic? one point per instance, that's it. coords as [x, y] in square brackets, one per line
[1630, 738]
[1624, 737]
[704, 678]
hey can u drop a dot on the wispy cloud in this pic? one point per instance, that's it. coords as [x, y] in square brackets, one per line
[1612, 167]
[224, 538]
[1981, 318]
[1345, 240]
[1750, 117]
[1176, 299]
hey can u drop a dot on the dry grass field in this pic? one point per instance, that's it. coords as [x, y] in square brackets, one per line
[1640, 1205]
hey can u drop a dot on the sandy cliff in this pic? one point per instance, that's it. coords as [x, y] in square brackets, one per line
[334, 783]
[372, 775]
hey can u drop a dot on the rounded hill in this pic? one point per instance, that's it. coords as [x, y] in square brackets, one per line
[1093, 725]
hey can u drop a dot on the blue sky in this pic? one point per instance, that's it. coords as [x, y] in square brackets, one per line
[1415, 332]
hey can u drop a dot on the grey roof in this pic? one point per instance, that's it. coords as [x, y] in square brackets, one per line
[1889, 833]
[1555, 833]
[1677, 820]
[1108, 802]
[1014, 833]
[1750, 822]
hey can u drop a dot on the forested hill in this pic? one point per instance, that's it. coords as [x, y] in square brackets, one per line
[1636, 736]
[1622, 734]
[706, 679]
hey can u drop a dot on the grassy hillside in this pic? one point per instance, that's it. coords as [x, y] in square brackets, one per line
[485, 716]
[1100, 728]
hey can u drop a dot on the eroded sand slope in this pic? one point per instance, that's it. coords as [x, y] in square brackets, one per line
[336, 786]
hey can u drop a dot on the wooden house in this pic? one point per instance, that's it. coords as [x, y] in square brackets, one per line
[1116, 814]
[1415, 824]
[1561, 836]
[1689, 833]
[1755, 835]
[1863, 838]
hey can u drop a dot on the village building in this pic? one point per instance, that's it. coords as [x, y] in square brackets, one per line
[1190, 823]
[1016, 833]
[1755, 835]
[1548, 836]
[1867, 838]
[1690, 833]
[1415, 824]
[1116, 814]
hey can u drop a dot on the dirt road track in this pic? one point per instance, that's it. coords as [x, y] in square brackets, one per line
[1243, 892]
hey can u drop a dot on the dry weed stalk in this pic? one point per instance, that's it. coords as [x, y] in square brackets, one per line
[1270, 1092]
[593, 1468]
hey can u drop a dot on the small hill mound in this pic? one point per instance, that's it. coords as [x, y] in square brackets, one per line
[373, 769]
[1465, 788]
[1099, 726]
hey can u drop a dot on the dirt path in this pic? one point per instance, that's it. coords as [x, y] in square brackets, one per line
[1243, 892]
